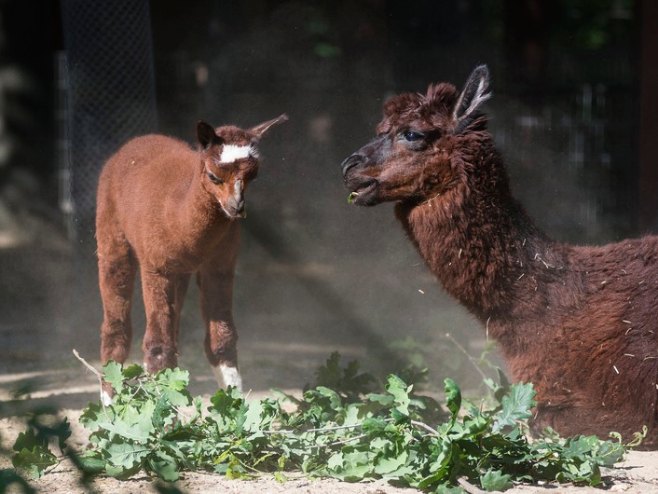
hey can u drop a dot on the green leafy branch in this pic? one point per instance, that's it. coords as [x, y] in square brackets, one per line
[341, 428]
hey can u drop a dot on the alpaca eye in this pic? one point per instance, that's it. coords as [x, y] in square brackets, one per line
[214, 178]
[412, 136]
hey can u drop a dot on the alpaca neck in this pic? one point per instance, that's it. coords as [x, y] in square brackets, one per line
[199, 212]
[484, 249]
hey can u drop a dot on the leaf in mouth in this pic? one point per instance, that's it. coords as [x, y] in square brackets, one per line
[352, 197]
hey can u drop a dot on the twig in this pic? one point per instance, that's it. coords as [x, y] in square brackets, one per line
[423, 425]
[349, 439]
[92, 369]
[470, 358]
[468, 487]
[334, 428]
[321, 429]
[88, 365]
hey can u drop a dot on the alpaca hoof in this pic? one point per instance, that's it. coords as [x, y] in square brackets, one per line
[158, 358]
[227, 376]
[106, 399]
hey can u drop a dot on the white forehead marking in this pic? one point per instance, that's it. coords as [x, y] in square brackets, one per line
[231, 153]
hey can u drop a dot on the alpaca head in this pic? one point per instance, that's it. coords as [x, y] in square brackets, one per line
[229, 161]
[414, 156]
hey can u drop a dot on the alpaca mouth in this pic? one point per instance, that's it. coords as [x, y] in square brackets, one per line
[363, 194]
[233, 213]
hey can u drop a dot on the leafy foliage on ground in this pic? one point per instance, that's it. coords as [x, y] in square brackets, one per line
[341, 428]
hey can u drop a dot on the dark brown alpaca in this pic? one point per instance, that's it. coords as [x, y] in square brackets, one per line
[578, 322]
[170, 211]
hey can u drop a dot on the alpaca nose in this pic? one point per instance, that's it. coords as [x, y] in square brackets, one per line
[351, 161]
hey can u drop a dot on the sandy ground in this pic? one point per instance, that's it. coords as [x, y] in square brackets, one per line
[637, 473]
[293, 308]
[68, 391]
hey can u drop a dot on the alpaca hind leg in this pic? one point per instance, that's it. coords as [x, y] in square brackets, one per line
[180, 292]
[216, 291]
[160, 343]
[116, 273]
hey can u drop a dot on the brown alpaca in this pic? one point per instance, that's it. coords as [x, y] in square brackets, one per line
[170, 211]
[578, 322]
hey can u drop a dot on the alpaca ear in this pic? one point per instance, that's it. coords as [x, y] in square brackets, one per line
[261, 128]
[476, 92]
[206, 135]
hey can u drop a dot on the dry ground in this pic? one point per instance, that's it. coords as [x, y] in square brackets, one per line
[637, 473]
[293, 308]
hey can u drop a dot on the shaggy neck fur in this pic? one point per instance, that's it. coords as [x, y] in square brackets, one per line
[480, 243]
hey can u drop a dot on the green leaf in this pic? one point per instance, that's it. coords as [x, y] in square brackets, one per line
[335, 401]
[335, 461]
[163, 414]
[126, 455]
[609, 453]
[385, 400]
[453, 396]
[440, 466]
[135, 424]
[119, 472]
[515, 406]
[173, 386]
[388, 465]
[132, 371]
[28, 440]
[112, 375]
[225, 403]
[495, 480]
[253, 419]
[357, 466]
[400, 392]
[164, 467]
[34, 460]
[91, 463]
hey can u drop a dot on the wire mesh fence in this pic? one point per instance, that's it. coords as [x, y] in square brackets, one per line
[111, 90]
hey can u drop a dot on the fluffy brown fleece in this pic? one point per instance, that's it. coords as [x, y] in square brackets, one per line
[171, 211]
[578, 322]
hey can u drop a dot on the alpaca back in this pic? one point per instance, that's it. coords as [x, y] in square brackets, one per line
[145, 192]
[143, 176]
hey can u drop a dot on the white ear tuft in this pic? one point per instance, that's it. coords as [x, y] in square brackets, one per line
[476, 91]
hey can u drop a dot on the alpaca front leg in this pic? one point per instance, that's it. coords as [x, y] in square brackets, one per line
[221, 336]
[160, 345]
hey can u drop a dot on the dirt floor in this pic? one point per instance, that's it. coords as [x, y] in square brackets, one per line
[292, 308]
[636, 474]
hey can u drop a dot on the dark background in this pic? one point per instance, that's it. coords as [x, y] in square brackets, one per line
[574, 112]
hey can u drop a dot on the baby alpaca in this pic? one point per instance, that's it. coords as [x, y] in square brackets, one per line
[171, 211]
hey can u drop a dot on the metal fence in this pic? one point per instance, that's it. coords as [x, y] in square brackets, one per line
[111, 91]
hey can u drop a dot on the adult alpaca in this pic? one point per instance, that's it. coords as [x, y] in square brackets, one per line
[578, 322]
[172, 211]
